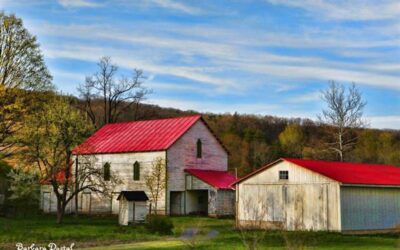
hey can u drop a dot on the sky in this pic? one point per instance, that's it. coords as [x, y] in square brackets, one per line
[266, 57]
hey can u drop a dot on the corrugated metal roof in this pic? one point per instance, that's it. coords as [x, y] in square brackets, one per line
[353, 173]
[346, 172]
[217, 179]
[138, 136]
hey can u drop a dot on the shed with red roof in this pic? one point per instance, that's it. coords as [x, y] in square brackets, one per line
[298, 194]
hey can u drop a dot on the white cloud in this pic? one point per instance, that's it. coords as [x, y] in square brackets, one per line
[128, 59]
[347, 10]
[182, 87]
[385, 122]
[216, 107]
[155, 48]
[307, 97]
[79, 3]
[175, 5]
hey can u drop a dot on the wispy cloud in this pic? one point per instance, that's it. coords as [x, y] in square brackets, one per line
[220, 56]
[304, 98]
[347, 10]
[79, 3]
[125, 58]
[217, 107]
[175, 5]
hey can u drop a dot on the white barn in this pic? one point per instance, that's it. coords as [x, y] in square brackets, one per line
[193, 156]
[295, 194]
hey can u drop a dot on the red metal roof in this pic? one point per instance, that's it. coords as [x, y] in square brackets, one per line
[353, 173]
[217, 179]
[138, 136]
[346, 172]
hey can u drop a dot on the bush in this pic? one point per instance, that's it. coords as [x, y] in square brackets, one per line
[159, 224]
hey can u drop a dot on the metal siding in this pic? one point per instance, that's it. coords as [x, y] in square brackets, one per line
[369, 208]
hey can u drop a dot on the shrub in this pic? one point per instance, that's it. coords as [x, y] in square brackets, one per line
[159, 224]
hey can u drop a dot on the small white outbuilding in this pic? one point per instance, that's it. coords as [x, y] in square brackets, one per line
[132, 207]
[296, 194]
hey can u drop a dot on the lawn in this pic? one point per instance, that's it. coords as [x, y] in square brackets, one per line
[105, 233]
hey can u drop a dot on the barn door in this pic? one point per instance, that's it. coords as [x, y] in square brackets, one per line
[46, 202]
[85, 203]
[176, 203]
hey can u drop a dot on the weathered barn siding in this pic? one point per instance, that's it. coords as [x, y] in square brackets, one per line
[225, 202]
[48, 202]
[307, 201]
[122, 167]
[183, 155]
[370, 208]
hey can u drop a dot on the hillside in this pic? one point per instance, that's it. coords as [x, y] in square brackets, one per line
[254, 140]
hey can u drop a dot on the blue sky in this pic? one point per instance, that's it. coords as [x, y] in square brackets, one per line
[262, 57]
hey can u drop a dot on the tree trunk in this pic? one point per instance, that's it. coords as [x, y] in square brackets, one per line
[340, 146]
[76, 187]
[60, 212]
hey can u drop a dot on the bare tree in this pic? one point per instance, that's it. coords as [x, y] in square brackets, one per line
[343, 115]
[115, 95]
[88, 176]
[156, 181]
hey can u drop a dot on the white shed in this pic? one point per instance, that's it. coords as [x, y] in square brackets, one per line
[132, 207]
[295, 194]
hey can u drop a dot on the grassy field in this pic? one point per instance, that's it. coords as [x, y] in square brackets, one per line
[104, 233]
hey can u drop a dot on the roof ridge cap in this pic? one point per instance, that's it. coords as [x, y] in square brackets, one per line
[158, 119]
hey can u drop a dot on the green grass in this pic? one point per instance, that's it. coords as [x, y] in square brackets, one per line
[105, 232]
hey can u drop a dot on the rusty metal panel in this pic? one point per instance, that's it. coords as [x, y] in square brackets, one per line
[369, 208]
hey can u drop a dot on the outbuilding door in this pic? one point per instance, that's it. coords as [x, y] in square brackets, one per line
[176, 203]
[85, 203]
[114, 203]
[140, 211]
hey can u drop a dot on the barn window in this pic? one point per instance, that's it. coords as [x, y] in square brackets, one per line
[199, 152]
[107, 171]
[283, 175]
[136, 171]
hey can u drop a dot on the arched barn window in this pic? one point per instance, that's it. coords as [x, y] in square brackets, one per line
[107, 171]
[136, 171]
[199, 150]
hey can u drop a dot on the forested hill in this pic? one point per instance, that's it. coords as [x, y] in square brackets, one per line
[254, 140]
